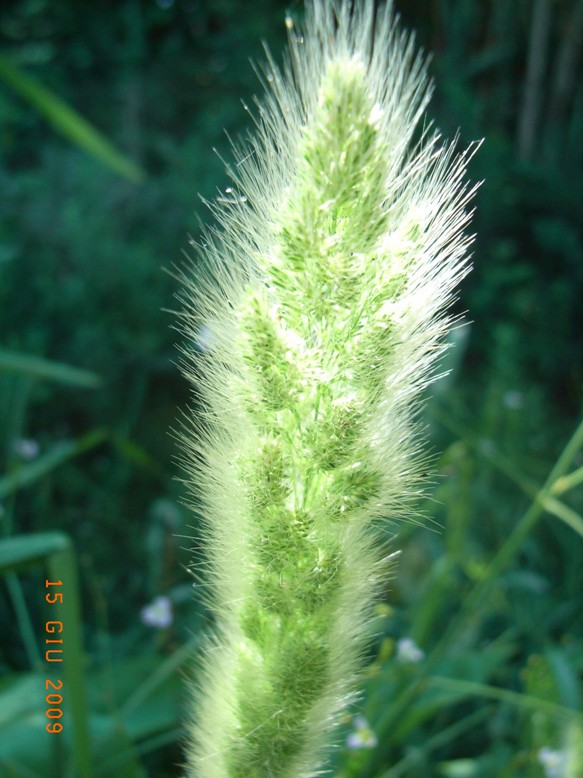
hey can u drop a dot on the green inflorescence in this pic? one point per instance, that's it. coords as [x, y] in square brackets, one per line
[348, 246]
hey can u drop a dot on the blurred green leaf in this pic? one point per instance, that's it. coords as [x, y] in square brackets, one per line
[518, 699]
[37, 367]
[67, 121]
[567, 482]
[26, 749]
[18, 696]
[460, 768]
[24, 550]
[56, 550]
[566, 678]
[566, 514]
[26, 474]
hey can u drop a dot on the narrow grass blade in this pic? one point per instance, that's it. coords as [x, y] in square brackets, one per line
[67, 121]
[27, 474]
[36, 367]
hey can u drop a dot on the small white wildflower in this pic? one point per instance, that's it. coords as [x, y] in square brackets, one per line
[408, 652]
[158, 613]
[27, 448]
[513, 399]
[553, 762]
[362, 736]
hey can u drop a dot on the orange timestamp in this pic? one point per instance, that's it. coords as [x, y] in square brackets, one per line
[54, 653]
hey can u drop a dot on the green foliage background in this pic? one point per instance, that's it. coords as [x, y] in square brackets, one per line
[83, 241]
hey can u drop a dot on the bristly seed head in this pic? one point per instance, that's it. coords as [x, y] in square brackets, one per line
[314, 326]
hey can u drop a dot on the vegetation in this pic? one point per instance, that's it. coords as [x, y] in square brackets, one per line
[475, 662]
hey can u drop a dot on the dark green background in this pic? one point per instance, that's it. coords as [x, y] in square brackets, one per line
[81, 282]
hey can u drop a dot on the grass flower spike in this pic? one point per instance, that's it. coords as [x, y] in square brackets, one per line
[316, 315]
